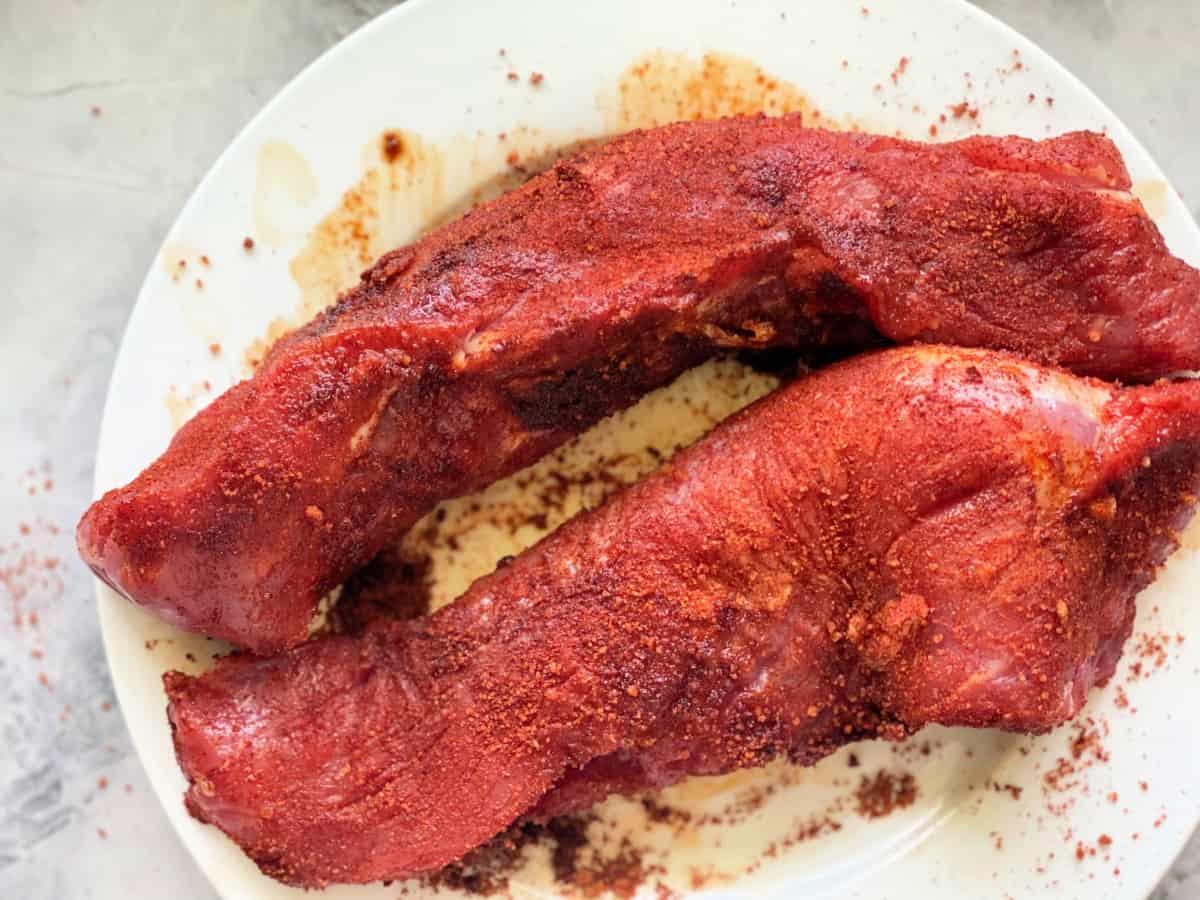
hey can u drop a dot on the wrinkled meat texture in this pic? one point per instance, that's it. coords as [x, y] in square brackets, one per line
[476, 350]
[916, 536]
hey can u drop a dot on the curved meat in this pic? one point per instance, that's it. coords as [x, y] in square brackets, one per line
[916, 536]
[471, 353]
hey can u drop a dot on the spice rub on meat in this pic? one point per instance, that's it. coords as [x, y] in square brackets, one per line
[474, 351]
[921, 535]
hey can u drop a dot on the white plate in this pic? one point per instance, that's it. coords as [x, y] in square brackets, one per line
[435, 70]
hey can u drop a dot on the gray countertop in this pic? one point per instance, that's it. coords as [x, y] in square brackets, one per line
[111, 112]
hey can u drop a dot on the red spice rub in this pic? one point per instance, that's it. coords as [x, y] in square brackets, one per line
[493, 339]
[758, 596]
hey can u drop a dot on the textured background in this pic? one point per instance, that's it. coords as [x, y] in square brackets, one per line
[84, 202]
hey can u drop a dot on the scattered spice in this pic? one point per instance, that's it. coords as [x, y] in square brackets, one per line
[29, 573]
[964, 109]
[247, 243]
[1068, 774]
[884, 793]
[394, 585]
[901, 68]
[1150, 654]
[591, 868]
[512, 76]
[214, 349]
[1012, 790]
[536, 78]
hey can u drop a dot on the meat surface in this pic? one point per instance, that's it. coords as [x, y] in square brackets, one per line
[922, 535]
[471, 353]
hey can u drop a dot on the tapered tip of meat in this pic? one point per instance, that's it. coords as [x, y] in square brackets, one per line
[195, 716]
[1151, 325]
[1041, 248]
[1150, 467]
[122, 540]
[308, 758]
[112, 542]
[216, 749]
[1112, 479]
[1141, 496]
[91, 539]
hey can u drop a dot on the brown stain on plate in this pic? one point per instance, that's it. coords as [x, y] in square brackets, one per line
[182, 404]
[1153, 194]
[463, 538]
[663, 87]
[410, 185]
[284, 187]
[399, 190]
[1190, 539]
[179, 260]
[192, 272]
[404, 191]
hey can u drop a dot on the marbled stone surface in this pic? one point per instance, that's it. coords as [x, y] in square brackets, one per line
[111, 111]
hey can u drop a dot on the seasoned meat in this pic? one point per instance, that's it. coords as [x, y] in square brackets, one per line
[922, 535]
[473, 352]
